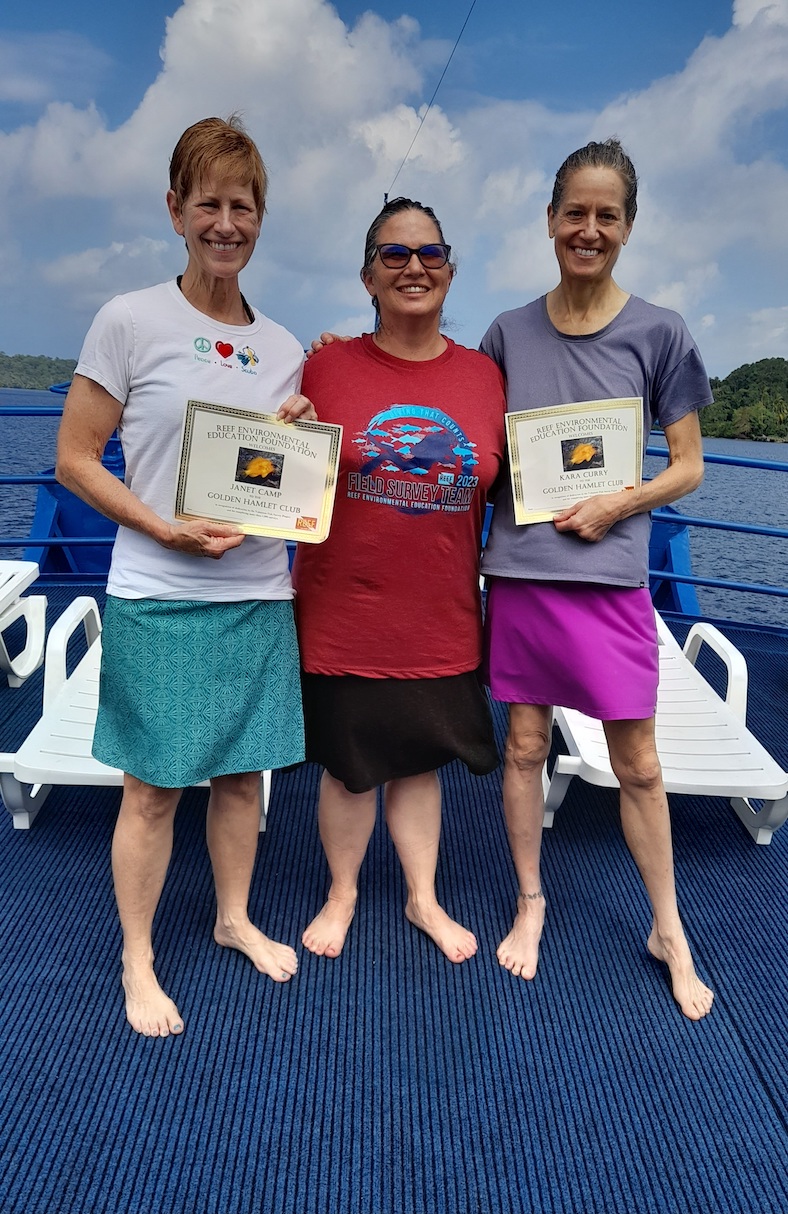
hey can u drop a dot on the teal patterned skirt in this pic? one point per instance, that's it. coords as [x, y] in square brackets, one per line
[191, 690]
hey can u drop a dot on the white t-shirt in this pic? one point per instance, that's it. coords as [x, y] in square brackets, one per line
[152, 351]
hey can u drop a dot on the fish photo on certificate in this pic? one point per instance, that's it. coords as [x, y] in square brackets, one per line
[259, 467]
[585, 451]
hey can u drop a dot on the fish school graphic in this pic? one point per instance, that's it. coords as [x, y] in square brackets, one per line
[224, 353]
[416, 459]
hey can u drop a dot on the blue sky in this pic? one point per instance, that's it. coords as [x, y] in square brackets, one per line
[94, 96]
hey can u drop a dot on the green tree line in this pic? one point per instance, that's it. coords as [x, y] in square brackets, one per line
[34, 371]
[751, 402]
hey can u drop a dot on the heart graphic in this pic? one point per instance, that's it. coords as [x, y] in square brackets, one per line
[224, 349]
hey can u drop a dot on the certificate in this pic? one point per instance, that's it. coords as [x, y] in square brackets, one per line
[565, 454]
[265, 476]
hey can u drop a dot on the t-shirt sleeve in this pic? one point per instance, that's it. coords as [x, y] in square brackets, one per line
[108, 350]
[310, 377]
[492, 344]
[299, 380]
[323, 379]
[684, 387]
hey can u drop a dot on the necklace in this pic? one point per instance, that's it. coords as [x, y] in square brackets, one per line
[247, 310]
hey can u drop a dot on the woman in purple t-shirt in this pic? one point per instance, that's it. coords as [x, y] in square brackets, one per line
[569, 618]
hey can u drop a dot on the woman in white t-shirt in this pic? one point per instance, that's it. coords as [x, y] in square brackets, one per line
[199, 673]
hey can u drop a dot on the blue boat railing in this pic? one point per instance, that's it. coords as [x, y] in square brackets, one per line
[63, 526]
[671, 518]
[667, 515]
[31, 410]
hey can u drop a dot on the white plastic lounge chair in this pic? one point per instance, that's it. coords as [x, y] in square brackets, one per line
[16, 576]
[57, 750]
[703, 742]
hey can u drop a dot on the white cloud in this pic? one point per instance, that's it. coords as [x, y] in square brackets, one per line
[525, 261]
[75, 268]
[353, 325]
[509, 189]
[773, 11]
[686, 122]
[685, 293]
[90, 275]
[37, 68]
[389, 136]
[334, 109]
[768, 332]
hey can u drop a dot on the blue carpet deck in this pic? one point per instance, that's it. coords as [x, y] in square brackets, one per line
[389, 1081]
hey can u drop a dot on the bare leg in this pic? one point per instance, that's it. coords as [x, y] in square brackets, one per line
[527, 748]
[346, 820]
[141, 849]
[413, 815]
[645, 820]
[233, 830]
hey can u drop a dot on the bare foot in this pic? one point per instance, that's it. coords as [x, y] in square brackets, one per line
[278, 961]
[519, 952]
[148, 1010]
[454, 940]
[326, 934]
[693, 996]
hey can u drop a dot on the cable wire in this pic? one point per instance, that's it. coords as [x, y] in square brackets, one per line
[429, 107]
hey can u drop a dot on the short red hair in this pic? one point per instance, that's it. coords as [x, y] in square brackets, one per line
[220, 147]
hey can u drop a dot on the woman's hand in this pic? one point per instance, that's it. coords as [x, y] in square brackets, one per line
[592, 519]
[297, 408]
[325, 339]
[199, 537]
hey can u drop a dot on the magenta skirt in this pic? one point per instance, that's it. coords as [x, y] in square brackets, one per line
[573, 644]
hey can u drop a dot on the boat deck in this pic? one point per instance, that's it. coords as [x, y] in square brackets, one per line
[390, 1081]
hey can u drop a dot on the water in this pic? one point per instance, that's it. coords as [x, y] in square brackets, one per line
[744, 495]
[27, 444]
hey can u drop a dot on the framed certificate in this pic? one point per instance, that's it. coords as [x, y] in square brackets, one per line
[561, 455]
[265, 476]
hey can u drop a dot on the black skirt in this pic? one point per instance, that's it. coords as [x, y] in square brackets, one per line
[368, 731]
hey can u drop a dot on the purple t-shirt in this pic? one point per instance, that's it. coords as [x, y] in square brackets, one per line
[645, 351]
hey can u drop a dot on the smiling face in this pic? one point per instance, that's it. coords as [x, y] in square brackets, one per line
[411, 292]
[220, 223]
[589, 227]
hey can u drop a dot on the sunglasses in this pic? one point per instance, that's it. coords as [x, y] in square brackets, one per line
[397, 256]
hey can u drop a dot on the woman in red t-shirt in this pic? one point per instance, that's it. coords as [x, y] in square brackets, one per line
[388, 608]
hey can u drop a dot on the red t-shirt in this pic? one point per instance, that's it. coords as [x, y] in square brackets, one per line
[394, 590]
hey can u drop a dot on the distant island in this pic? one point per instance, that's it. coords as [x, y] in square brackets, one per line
[751, 402]
[34, 371]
